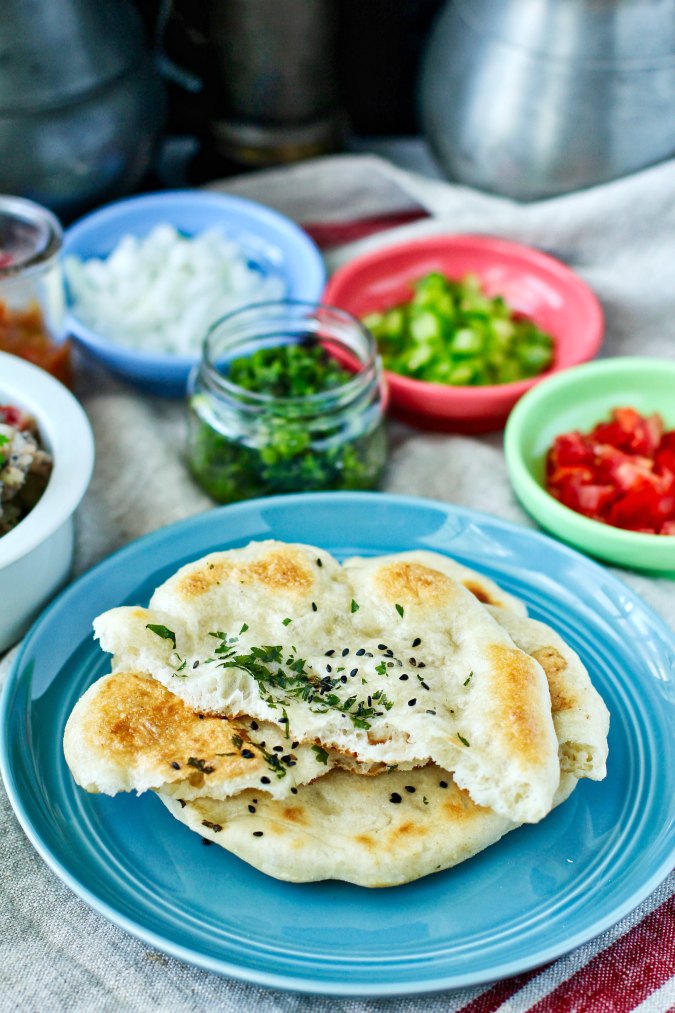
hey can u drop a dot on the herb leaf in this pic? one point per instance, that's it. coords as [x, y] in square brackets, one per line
[321, 754]
[399, 609]
[355, 606]
[162, 632]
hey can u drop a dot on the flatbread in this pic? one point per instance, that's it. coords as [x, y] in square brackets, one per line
[372, 831]
[130, 733]
[580, 716]
[390, 659]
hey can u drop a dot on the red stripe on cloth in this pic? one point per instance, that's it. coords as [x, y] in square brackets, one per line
[328, 234]
[622, 976]
[491, 1000]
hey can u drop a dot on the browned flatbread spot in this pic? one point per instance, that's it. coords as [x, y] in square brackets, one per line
[459, 806]
[482, 594]
[413, 583]
[555, 666]
[293, 814]
[514, 699]
[407, 829]
[479, 592]
[279, 570]
[137, 720]
[366, 840]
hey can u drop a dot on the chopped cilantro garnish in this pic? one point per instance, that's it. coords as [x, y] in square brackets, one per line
[243, 629]
[321, 754]
[399, 609]
[286, 621]
[468, 679]
[355, 606]
[462, 739]
[162, 632]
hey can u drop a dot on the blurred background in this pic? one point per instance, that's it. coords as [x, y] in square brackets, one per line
[527, 98]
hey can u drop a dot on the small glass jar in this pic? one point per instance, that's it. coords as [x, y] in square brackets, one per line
[243, 443]
[32, 301]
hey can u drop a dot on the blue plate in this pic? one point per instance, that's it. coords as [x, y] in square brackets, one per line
[536, 894]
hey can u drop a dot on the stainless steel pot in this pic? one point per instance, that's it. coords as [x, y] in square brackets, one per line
[81, 105]
[532, 98]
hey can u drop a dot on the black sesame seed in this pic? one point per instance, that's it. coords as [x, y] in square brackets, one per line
[287, 758]
[264, 780]
[329, 654]
[278, 749]
[201, 717]
[195, 664]
[395, 797]
[411, 703]
[382, 647]
[206, 842]
[343, 678]
[432, 712]
[361, 651]
[368, 654]
[257, 833]
[345, 652]
[328, 668]
[313, 606]
[424, 685]
[443, 784]
[370, 701]
[262, 744]
[420, 664]
[319, 563]
[247, 754]
[390, 664]
[412, 662]
[251, 808]
[254, 726]
[183, 803]
[403, 678]
[294, 791]
[354, 672]
[294, 745]
[255, 801]
[176, 766]
[409, 788]
[389, 653]
[416, 642]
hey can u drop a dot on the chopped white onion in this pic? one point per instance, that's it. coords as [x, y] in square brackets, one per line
[163, 292]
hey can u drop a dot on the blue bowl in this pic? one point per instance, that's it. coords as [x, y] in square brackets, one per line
[274, 243]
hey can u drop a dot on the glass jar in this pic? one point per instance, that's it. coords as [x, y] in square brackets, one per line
[32, 302]
[244, 442]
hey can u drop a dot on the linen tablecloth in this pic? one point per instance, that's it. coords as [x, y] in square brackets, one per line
[56, 954]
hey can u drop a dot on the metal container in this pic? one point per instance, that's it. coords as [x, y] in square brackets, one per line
[276, 70]
[81, 105]
[532, 98]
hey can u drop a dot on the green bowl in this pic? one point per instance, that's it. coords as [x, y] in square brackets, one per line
[578, 399]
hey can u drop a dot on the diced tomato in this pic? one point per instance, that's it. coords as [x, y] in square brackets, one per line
[628, 430]
[11, 415]
[622, 473]
[571, 450]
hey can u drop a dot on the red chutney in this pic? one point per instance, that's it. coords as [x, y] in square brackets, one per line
[621, 473]
[24, 333]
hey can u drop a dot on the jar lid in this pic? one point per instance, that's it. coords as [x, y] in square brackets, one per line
[30, 235]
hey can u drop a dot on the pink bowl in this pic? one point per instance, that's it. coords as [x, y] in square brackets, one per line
[532, 283]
